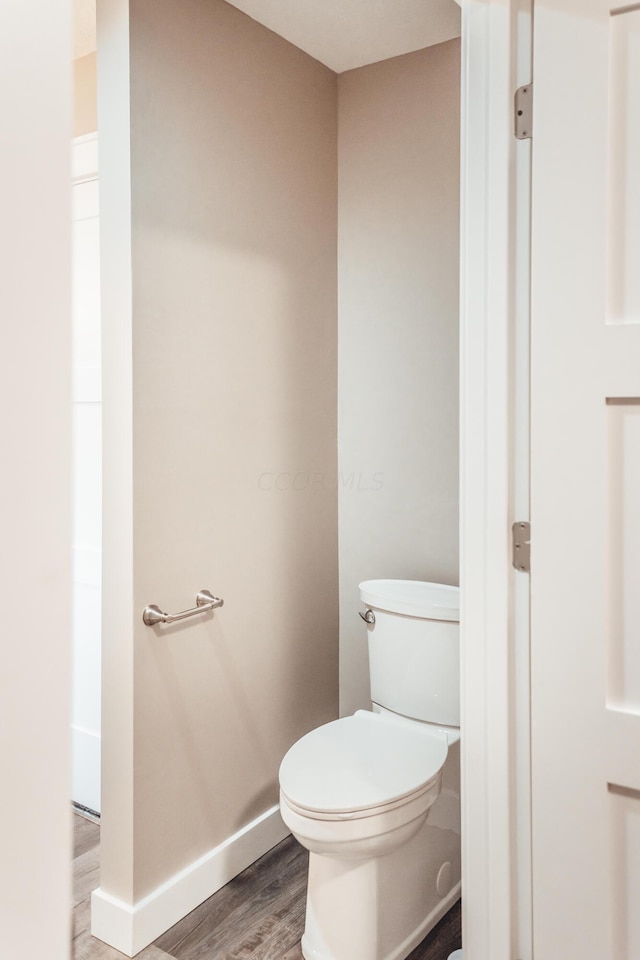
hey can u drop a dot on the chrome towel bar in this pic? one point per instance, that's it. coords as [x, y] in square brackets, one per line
[205, 601]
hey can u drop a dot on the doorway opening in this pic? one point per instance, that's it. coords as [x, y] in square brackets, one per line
[248, 467]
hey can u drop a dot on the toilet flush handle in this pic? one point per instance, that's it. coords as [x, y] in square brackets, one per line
[368, 616]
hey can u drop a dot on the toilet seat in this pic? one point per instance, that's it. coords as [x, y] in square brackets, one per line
[369, 812]
[360, 767]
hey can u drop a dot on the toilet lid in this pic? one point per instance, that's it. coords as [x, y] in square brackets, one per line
[360, 762]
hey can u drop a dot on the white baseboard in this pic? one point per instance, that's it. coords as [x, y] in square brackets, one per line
[132, 928]
[85, 783]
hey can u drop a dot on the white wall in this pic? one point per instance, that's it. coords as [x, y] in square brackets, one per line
[35, 483]
[398, 149]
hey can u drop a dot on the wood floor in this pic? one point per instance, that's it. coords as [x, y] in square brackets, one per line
[258, 916]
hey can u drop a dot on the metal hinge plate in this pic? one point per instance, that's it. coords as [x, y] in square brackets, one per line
[523, 112]
[521, 533]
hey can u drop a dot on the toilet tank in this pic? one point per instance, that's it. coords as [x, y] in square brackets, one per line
[414, 648]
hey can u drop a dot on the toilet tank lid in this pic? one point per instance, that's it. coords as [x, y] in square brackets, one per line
[413, 598]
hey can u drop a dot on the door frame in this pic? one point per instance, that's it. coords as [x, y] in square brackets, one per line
[487, 460]
[496, 875]
[86, 750]
[488, 291]
[491, 912]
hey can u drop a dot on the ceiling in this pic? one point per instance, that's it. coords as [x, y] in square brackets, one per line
[342, 34]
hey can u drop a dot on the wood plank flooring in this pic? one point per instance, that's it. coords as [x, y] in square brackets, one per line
[258, 916]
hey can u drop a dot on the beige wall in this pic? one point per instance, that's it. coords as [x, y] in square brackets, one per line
[85, 119]
[398, 344]
[234, 225]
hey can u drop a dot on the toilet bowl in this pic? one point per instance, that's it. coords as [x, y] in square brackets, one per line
[361, 786]
[375, 797]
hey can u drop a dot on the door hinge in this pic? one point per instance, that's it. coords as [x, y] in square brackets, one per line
[523, 112]
[521, 534]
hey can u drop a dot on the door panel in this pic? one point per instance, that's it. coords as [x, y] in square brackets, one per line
[623, 468]
[625, 875]
[585, 482]
[624, 163]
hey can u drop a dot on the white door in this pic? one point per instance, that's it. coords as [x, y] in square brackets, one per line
[585, 507]
[35, 327]
[87, 488]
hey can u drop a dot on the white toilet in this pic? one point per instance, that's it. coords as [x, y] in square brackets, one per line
[375, 797]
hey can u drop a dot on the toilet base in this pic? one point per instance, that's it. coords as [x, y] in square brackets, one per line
[312, 951]
[382, 908]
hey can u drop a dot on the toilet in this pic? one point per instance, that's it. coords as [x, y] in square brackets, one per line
[375, 797]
